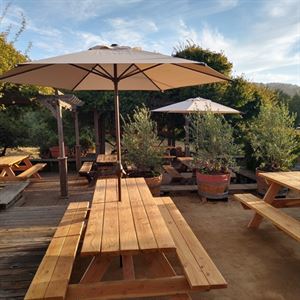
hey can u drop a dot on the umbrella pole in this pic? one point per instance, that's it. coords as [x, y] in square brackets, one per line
[62, 159]
[118, 137]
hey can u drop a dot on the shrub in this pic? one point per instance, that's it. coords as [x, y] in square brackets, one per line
[141, 142]
[213, 143]
[273, 138]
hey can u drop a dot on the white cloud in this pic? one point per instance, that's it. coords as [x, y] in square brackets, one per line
[269, 43]
[214, 40]
[227, 4]
[280, 8]
[83, 10]
[186, 33]
[260, 54]
[137, 24]
[88, 40]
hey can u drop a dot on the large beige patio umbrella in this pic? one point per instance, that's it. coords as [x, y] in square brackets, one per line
[195, 105]
[114, 68]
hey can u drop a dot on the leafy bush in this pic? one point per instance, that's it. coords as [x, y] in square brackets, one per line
[141, 142]
[87, 139]
[213, 143]
[273, 138]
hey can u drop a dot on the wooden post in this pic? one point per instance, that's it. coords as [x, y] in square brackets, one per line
[77, 146]
[96, 126]
[62, 159]
[187, 136]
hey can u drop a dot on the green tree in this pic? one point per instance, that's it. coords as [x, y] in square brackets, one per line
[273, 138]
[141, 143]
[294, 106]
[217, 61]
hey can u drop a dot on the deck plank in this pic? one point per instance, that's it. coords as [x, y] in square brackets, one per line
[128, 237]
[19, 259]
[144, 232]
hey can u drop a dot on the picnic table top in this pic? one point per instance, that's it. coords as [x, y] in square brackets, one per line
[125, 227]
[106, 158]
[186, 160]
[166, 156]
[11, 160]
[288, 179]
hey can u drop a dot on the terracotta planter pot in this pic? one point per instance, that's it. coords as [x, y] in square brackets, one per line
[154, 184]
[213, 186]
[263, 185]
[54, 151]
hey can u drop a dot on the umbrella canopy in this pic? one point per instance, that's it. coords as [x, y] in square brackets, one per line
[94, 70]
[195, 105]
[114, 68]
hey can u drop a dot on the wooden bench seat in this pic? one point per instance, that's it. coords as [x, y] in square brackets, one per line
[198, 267]
[281, 220]
[86, 170]
[52, 277]
[31, 171]
[172, 172]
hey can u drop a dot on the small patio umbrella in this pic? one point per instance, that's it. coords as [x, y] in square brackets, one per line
[114, 68]
[195, 105]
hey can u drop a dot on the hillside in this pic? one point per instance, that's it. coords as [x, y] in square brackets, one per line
[290, 89]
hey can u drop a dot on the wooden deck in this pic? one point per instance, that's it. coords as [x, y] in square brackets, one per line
[25, 233]
[270, 258]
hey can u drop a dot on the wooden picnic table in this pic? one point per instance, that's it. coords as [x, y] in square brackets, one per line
[140, 226]
[9, 165]
[125, 227]
[106, 159]
[269, 206]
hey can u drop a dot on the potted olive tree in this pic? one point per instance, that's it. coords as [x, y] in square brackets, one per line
[215, 152]
[274, 141]
[142, 150]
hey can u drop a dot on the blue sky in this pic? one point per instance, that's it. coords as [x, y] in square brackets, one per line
[260, 37]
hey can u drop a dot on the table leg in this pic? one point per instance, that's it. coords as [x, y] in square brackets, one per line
[28, 165]
[96, 269]
[159, 266]
[9, 172]
[268, 198]
[3, 172]
[128, 267]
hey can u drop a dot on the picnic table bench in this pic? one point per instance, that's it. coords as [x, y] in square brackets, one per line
[9, 165]
[175, 175]
[268, 207]
[106, 165]
[139, 225]
[53, 275]
[103, 159]
[86, 170]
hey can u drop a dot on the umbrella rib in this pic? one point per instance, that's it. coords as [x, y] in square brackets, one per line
[26, 71]
[84, 77]
[124, 72]
[185, 67]
[130, 73]
[134, 72]
[107, 73]
[148, 77]
[91, 71]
